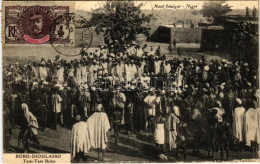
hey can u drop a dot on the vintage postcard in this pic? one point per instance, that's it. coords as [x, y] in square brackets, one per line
[130, 81]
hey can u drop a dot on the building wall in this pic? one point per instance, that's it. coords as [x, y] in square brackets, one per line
[83, 38]
[186, 35]
[164, 34]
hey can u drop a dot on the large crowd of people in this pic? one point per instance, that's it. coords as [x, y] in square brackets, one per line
[214, 102]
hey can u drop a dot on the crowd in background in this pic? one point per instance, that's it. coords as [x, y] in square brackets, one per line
[141, 90]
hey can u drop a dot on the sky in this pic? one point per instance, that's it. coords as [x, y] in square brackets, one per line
[90, 5]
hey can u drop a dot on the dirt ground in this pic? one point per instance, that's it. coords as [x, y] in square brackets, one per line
[140, 148]
[34, 53]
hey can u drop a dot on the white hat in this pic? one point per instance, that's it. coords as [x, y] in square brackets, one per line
[127, 86]
[179, 90]
[163, 92]
[93, 88]
[99, 107]
[35, 83]
[221, 95]
[45, 83]
[176, 110]
[219, 104]
[206, 68]
[239, 101]
[9, 73]
[207, 84]
[61, 88]
[70, 74]
[132, 87]
[85, 86]
[256, 93]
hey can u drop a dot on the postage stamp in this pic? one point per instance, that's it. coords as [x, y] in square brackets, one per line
[32, 24]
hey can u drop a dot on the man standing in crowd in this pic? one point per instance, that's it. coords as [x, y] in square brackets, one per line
[119, 100]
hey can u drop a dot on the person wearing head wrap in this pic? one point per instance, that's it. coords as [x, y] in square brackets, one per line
[43, 72]
[129, 113]
[80, 139]
[84, 73]
[56, 107]
[118, 102]
[219, 111]
[179, 75]
[95, 99]
[166, 68]
[93, 72]
[29, 126]
[141, 68]
[99, 125]
[173, 120]
[238, 120]
[85, 100]
[157, 66]
[131, 51]
[130, 71]
[35, 70]
[150, 110]
[159, 131]
[251, 125]
[60, 74]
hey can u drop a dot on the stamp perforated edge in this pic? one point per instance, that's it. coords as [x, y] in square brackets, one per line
[71, 5]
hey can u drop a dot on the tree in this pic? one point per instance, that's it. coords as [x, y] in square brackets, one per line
[213, 9]
[120, 20]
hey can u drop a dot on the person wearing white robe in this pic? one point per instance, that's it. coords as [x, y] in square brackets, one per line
[60, 75]
[140, 68]
[150, 101]
[157, 66]
[173, 120]
[29, 128]
[131, 51]
[84, 75]
[159, 132]
[98, 127]
[93, 72]
[251, 125]
[78, 73]
[43, 72]
[80, 141]
[238, 119]
[167, 68]
[131, 71]
[56, 106]
[139, 51]
[120, 69]
[179, 75]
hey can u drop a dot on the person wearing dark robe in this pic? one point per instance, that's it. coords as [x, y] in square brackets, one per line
[129, 113]
[118, 100]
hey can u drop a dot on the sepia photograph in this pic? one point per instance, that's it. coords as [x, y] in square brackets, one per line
[130, 81]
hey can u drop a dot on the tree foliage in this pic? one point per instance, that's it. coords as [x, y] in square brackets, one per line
[215, 8]
[120, 20]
